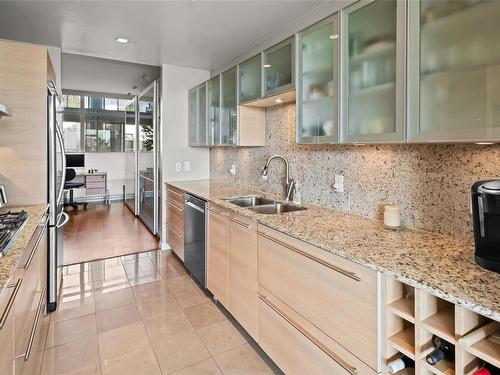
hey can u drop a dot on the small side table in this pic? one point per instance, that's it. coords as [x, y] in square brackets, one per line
[97, 183]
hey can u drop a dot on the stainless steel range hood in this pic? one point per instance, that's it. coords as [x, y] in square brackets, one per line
[5, 111]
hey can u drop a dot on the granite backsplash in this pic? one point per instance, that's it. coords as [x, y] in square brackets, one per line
[431, 182]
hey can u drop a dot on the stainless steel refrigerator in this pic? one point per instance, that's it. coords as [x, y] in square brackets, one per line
[56, 176]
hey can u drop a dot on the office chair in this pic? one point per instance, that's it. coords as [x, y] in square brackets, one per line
[68, 185]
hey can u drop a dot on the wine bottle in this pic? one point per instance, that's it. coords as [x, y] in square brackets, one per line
[443, 350]
[400, 364]
[487, 369]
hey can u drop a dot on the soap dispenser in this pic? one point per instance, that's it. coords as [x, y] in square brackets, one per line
[297, 196]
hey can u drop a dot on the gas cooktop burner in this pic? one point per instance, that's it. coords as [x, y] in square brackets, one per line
[10, 223]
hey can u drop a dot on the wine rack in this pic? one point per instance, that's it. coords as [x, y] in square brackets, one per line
[413, 316]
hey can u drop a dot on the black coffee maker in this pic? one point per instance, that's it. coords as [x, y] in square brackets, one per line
[486, 221]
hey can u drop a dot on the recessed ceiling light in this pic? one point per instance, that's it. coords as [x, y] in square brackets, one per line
[122, 40]
[484, 143]
[279, 100]
[267, 65]
[333, 36]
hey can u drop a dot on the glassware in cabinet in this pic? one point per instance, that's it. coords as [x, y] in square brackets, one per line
[317, 82]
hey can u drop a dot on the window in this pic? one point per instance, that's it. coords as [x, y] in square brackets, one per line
[94, 124]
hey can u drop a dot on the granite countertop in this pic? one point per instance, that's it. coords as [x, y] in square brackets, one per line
[8, 263]
[441, 265]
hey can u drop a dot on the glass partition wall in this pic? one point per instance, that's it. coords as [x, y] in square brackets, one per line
[142, 157]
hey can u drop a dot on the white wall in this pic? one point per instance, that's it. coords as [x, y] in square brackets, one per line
[176, 82]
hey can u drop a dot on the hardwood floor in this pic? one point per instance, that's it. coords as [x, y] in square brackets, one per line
[105, 231]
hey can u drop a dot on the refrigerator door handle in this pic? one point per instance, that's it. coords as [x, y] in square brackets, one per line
[63, 176]
[64, 222]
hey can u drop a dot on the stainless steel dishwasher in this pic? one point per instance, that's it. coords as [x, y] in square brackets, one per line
[195, 244]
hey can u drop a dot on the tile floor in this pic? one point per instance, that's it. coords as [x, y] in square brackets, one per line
[142, 314]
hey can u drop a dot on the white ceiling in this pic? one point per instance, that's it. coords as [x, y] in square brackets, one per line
[200, 34]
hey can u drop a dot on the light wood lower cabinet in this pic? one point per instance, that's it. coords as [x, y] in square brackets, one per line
[175, 220]
[297, 346]
[336, 295]
[7, 326]
[243, 285]
[218, 255]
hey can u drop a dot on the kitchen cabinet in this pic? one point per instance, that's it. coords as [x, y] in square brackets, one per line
[454, 71]
[7, 327]
[218, 255]
[175, 220]
[317, 83]
[279, 68]
[250, 79]
[337, 296]
[243, 284]
[213, 110]
[373, 72]
[198, 125]
[229, 110]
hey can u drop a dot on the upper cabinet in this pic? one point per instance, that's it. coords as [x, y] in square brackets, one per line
[317, 83]
[228, 111]
[213, 110]
[198, 126]
[454, 76]
[278, 68]
[373, 76]
[250, 79]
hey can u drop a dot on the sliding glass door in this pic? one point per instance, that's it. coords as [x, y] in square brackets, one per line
[147, 156]
[130, 155]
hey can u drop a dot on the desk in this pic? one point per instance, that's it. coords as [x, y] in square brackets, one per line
[96, 184]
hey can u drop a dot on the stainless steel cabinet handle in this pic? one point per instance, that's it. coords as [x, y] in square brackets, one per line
[174, 206]
[27, 354]
[10, 302]
[34, 248]
[215, 212]
[334, 356]
[239, 222]
[192, 205]
[174, 192]
[344, 272]
[176, 233]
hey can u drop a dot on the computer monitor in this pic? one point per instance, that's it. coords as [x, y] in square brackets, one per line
[75, 160]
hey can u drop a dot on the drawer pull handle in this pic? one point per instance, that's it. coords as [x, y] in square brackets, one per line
[239, 222]
[33, 249]
[174, 206]
[334, 356]
[10, 302]
[175, 232]
[344, 272]
[27, 354]
[215, 211]
[175, 193]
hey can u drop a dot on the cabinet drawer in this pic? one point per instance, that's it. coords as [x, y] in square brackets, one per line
[175, 217]
[29, 355]
[296, 349]
[95, 185]
[96, 178]
[338, 296]
[7, 314]
[175, 196]
[176, 241]
[95, 191]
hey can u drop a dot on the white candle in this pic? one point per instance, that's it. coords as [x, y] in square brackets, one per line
[391, 215]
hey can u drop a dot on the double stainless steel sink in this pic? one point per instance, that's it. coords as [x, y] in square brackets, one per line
[263, 205]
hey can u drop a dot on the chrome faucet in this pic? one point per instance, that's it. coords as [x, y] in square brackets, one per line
[289, 183]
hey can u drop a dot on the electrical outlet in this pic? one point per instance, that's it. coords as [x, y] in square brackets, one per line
[187, 165]
[178, 166]
[232, 170]
[339, 183]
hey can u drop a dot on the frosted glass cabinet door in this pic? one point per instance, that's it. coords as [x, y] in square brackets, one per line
[213, 110]
[373, 96]
[317, 83]
[229, 114]
[193, 117]
[278, 68]
[250, 76]
[454, 71]
[202, 116]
